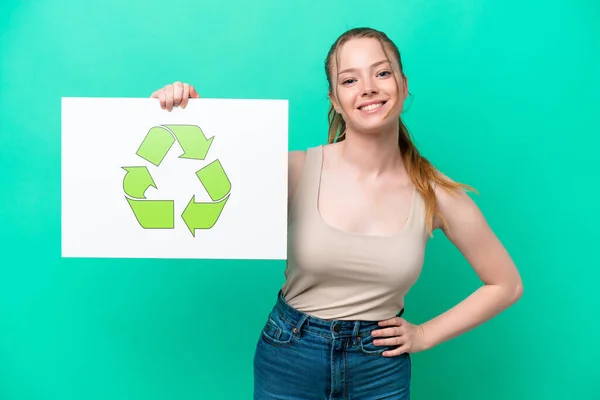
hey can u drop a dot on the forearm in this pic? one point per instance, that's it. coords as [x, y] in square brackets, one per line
[482, 305]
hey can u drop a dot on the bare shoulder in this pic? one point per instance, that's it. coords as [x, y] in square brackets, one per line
[296, 159]
[466, 226]
[458, 208]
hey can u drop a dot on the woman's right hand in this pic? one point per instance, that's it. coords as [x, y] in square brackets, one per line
[175, 95]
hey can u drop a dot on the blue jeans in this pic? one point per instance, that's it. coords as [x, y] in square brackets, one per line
[302, 357]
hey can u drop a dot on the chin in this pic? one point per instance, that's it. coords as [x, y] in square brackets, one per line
[373, 128]
[374, 124]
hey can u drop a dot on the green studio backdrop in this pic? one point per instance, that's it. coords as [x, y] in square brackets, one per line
[504, 97]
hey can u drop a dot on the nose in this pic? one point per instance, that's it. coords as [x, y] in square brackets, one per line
[369, 88]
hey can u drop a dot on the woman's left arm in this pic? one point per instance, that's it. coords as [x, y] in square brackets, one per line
[469, 231]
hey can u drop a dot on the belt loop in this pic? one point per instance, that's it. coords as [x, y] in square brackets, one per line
[356, 329]
[356, 333]
[298, 328]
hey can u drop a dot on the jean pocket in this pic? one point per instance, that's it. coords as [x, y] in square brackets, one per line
[368, 347]
[277, 332]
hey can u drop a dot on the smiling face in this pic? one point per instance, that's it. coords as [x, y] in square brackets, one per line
[367, 89]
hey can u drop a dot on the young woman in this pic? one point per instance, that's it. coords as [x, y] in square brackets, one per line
[361, 210]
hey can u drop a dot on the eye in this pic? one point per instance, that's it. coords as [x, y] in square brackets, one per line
[347, 81]
[384, 73]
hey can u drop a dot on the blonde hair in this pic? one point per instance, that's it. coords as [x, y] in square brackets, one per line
[422, 173]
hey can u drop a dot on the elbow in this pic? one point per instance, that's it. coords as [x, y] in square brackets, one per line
[516, 292]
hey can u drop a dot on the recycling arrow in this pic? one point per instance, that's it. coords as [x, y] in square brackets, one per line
[156, 145]
[154, 214]
[137, 180]
[204, 215]
[192, 140]
[214, 180]
[159, 139]
[159, 214]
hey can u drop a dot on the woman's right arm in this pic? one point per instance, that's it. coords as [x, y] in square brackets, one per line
[178, 94]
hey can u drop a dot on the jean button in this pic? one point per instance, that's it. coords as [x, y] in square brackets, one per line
[337, 329]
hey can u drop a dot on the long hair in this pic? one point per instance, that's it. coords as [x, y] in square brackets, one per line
[422, 173]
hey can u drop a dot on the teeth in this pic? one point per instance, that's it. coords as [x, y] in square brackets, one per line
[371, 107]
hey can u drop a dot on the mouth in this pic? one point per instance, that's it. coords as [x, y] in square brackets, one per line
[372, 106]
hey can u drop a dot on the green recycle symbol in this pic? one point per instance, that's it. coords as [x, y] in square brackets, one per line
[160, 214]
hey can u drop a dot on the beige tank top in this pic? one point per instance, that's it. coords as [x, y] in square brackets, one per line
[332, 274]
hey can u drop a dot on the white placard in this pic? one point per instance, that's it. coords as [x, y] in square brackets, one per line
[207, 181]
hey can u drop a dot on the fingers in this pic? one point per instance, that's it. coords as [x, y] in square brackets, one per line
[185, 95]
[193, 93]
[160, 95]
[391, 341]
[169, 97]
[390, 337]
[392, 322]
[396, 352]
[396, 321]
[175, 95]
[387, 332]
[400, 341]
[393, 336]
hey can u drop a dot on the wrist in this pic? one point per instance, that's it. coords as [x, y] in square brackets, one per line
[425, 335]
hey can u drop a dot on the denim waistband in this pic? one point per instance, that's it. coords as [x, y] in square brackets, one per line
[337, 328]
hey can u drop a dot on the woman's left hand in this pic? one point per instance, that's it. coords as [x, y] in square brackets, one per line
[398, 332]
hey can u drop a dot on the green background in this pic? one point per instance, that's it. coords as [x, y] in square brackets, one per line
[505, 98]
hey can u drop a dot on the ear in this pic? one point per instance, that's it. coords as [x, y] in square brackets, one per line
[335, 104]
[405, 86]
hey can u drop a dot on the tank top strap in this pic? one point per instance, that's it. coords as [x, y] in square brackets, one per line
[416, 219]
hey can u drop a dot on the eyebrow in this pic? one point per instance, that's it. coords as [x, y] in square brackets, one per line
[372, 66]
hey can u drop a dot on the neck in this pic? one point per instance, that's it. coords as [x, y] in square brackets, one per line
[372, 154]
